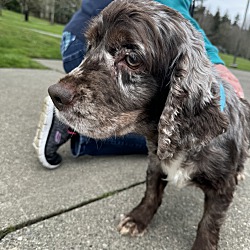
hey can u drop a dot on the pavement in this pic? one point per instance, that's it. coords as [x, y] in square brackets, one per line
[78, 205]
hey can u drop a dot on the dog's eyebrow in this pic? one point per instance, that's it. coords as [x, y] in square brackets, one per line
[137, 47]
[112, 49]
[131, 46]
[125, 45]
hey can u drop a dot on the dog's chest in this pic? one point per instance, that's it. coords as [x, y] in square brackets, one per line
[178, 173]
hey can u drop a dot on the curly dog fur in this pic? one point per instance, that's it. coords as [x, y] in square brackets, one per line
[146, 71]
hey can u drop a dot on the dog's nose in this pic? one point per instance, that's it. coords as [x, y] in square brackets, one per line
[60, 95]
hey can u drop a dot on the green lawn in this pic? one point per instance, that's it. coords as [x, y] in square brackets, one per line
[18, 44]
[242, 64]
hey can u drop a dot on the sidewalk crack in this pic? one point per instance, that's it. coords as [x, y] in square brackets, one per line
[4, 232]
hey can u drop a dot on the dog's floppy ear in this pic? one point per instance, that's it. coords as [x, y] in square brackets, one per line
[191, 116]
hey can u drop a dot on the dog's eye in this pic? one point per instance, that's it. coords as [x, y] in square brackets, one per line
[133, 60]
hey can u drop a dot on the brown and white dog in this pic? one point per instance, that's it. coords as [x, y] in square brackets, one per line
[146, 71]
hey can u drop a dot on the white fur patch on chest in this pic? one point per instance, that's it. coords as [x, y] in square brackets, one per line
[177, 173]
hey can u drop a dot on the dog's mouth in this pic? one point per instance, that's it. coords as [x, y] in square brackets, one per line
[100, 126]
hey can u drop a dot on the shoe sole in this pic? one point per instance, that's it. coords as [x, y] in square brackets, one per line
[42, 132]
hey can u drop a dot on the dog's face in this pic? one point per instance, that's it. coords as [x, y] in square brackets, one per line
[145, 63]
[111, 86]
[118, 82]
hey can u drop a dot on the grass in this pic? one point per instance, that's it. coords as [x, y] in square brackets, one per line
[242, 64]
[18, 44]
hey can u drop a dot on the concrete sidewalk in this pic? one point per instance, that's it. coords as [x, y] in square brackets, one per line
[78, 206]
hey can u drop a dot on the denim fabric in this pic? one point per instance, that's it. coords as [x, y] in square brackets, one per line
[73, 51]
[126, 145]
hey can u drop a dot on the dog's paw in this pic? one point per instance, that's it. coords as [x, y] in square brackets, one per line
[129, 226]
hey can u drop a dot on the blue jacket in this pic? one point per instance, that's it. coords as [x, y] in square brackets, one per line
[91, 8]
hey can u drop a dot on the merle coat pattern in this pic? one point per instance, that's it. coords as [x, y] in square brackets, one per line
[146, 71]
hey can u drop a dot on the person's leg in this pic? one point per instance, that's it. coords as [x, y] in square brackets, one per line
[72, 50]
[126, 145]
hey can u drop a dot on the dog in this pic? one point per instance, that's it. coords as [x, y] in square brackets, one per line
[146, 71]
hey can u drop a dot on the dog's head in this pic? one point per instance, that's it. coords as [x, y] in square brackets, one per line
[145, 69]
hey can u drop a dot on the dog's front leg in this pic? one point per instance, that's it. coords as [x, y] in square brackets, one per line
[215, 207]
[138, 219]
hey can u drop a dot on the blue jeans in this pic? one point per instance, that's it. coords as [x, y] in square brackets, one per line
[73, 51]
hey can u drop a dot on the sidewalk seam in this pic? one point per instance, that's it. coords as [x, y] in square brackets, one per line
[11, 229]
